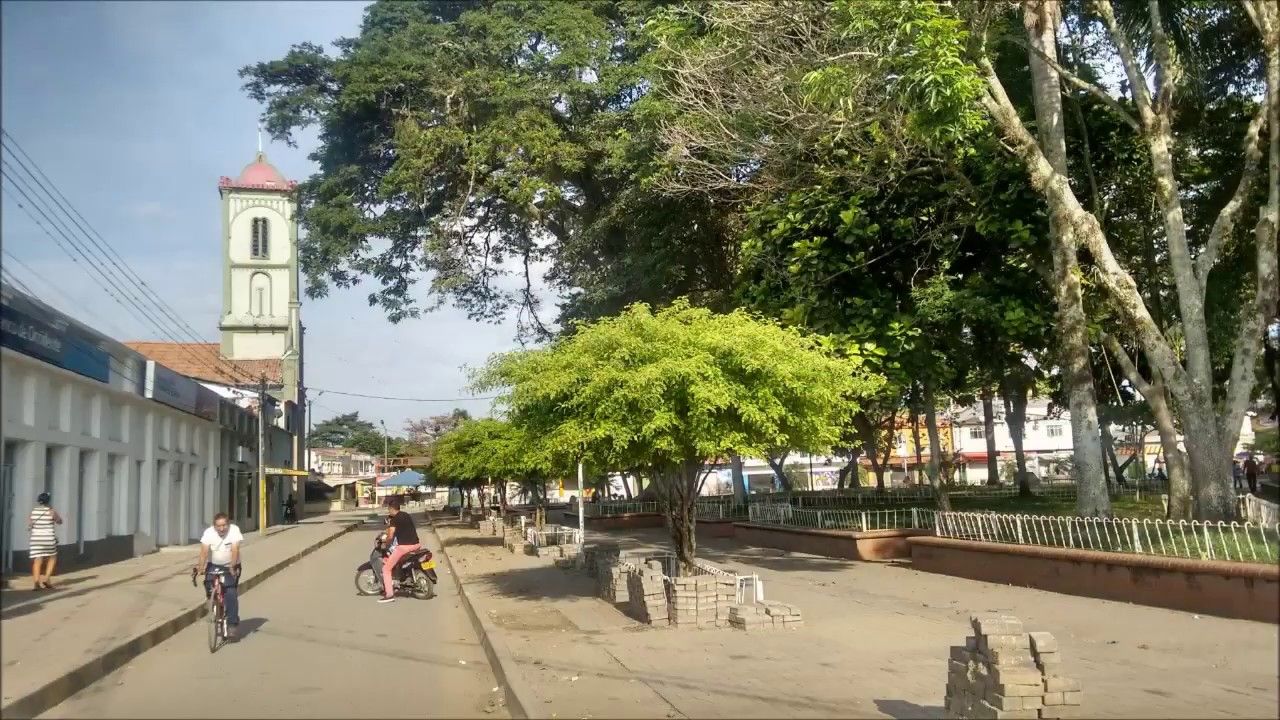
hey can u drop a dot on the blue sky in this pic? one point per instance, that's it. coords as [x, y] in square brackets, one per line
[134, 109]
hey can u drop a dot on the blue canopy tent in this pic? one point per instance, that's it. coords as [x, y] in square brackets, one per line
[405, 478]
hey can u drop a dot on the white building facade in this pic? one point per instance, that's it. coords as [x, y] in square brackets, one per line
[126, 471]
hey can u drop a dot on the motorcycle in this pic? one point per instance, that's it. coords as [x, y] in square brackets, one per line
[414, 574]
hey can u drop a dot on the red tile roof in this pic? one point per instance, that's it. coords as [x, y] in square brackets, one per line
[258, 175]
[204, 361]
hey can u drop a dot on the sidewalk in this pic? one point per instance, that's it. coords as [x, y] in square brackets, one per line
[58, 642]
[874, 644]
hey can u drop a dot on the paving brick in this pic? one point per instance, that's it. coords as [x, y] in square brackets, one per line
[1073, 698]
[1061, 684]
[1018, 690]
[1043, 642]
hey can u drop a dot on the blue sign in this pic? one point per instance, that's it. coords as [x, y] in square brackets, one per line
[54, 341]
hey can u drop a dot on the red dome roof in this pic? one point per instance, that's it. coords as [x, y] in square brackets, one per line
[259, 175]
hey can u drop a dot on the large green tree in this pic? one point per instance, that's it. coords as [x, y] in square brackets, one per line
[340, 430]
[478, 145]
[674, 390]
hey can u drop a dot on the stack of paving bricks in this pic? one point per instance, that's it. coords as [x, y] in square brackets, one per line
[570, 555]
[612, 581]
[783, 615]
[512, 538]
[598, 557]
[647, 594]
[751, 618]
[1004, 672]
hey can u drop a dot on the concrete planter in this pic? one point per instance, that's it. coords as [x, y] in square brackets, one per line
[1249, 591]
[872, 545]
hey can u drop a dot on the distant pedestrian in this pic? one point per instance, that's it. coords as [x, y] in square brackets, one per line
[1251, 474]
[1237, 475]
[44, 542]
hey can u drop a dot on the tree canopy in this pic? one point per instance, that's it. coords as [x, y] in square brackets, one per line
[675, 389]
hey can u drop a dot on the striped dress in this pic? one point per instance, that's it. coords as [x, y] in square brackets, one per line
[43, 541]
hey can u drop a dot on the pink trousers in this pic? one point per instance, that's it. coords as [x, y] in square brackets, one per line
[397, 554]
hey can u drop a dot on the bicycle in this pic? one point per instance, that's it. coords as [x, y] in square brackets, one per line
[217, 611]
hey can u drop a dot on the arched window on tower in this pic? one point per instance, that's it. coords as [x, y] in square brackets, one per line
[259, 248]
[260, 295]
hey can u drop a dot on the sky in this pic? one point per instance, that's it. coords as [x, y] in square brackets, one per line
[133, 110]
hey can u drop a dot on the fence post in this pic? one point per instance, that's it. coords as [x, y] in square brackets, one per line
[915, 522]
[1019, 524]
[864, 520]
[1137, 540]
[820, 523]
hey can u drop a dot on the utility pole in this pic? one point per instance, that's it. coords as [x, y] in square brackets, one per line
[262, 454]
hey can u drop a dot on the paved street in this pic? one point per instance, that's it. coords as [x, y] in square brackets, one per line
[311, 648]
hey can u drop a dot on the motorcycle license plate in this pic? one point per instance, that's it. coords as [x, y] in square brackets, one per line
[428, 564]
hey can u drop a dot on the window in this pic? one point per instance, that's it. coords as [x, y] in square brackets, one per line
[977, 433]
[1054, 431]
[260, 297]
[260, 248]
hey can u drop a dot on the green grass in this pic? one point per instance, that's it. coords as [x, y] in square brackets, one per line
[1123, 507]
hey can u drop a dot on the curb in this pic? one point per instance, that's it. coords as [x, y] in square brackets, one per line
[501, 661]
[61, 688]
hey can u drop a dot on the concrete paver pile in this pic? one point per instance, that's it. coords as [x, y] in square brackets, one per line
[874, 642]
[56, 642]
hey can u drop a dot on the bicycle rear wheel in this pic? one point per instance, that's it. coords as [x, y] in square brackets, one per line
[215, 623]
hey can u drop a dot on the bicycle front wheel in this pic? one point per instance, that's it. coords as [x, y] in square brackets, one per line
[215, 623]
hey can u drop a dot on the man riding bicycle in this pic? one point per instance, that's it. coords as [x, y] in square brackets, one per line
[220, 552]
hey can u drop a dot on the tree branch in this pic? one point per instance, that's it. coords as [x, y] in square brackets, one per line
[1092, 88]
[1132, 70]
[1118, 282]
[1226, 220]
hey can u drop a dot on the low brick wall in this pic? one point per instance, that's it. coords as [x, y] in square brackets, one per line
[1249, 591]
[631, 521]
[715, 528]
[874, 545]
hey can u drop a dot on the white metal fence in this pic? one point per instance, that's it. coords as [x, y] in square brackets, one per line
[748, 588]
[553, 535]
[1256, 510]
[1242, 542]
[613, 509]
[784, 515]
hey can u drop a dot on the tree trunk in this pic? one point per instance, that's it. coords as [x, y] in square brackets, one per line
[915, 438]
[626, 485]
[1113, 462]
[1040, 20]
[739, 481]
[989, 429]
[1015, 388]
[850, 468]
[678, 488]
[778, 470]
[935, 448]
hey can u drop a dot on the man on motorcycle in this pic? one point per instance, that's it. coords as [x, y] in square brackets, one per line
[400, 528]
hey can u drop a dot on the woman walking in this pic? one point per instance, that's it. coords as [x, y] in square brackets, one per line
[44, 542]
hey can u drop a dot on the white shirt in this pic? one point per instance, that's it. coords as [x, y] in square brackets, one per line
[220, 546]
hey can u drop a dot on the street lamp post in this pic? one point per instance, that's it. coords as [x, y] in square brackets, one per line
[383, 423]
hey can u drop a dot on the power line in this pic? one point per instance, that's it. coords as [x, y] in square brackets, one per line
[71, 303]
[404, 399]
[122, 267]
[124, 272]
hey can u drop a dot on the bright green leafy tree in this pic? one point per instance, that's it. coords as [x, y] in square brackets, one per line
[672, 391]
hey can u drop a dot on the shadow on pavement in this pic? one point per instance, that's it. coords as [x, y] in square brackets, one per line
[538, 583]
[22, 599]
[480, 541]
[249, 626]
[903, 710]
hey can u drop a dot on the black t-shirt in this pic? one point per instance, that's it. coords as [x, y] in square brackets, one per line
[405, 532]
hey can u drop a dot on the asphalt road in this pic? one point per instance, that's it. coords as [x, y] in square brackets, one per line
[310, 647]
